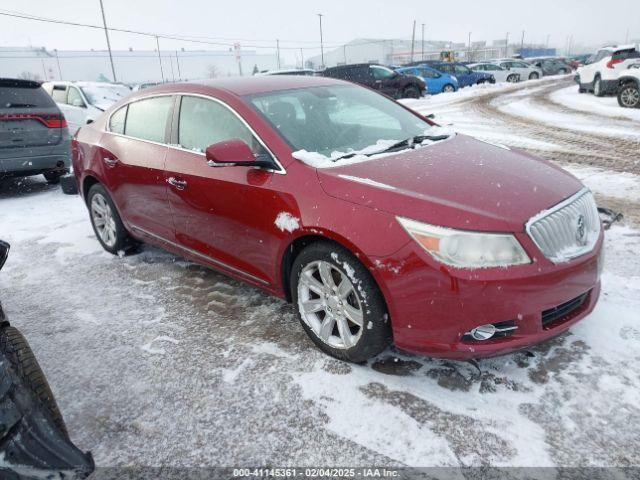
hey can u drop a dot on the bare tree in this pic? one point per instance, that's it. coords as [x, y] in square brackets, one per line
[25, 75]
[213, 71]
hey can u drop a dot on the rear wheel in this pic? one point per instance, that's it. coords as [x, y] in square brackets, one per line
[629, 96]
[534, 76]
[339, 304]
[562, 71]
[513, 78]
[411, 92]
[53, 177]
[106, 221]
[448, 88]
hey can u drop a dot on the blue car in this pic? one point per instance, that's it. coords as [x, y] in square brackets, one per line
[437, 82]
[464, 74]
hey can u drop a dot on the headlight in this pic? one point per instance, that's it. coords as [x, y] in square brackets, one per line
[466, 249]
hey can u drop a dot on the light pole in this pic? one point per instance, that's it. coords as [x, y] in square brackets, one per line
[469, 52]
[506, 45]
[58, 62]
[160, 59]
[178, 64]
[106, 33]
[321, 44]
[413, 39]
[522, 43]
[547, 47]
[278, 50]
[422, 42]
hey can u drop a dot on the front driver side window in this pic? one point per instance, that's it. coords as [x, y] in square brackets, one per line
[75, 98]
[204, 122]
[381, 72]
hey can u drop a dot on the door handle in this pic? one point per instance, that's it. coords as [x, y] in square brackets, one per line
[179, 184]
[110, 162]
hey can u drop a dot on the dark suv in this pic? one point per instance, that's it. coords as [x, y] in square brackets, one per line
[380, 78]
[34, 137]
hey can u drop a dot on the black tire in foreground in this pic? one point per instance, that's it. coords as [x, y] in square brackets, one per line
[629, 95]
[364, 300]
[106, 221]
[411, 92]
[53, 177]
[33, 438]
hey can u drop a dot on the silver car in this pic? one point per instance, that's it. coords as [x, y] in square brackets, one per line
[526, 70]
[501, 74]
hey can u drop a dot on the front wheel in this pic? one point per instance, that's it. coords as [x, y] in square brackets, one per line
[106, 221]
[629, 96]
[597, 87]
[512, 79]
[339, 304]
[534, 76]
[448, 88]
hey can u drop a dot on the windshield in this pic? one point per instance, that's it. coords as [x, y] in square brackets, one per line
[103, 96]
[337, 119]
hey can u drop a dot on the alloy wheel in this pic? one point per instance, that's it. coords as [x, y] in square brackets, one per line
[329, 305]
[448, 88]
[630, 97]
[102, 217]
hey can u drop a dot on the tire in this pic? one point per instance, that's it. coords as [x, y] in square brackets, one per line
[448, 88]
[562, 71]
[581, 89]
[534, 76]
[16, 349]
[53, 177]
[512, 78]
[597, 87]
[629, 95]
[411, 91]
[333, 310]
[113, 236]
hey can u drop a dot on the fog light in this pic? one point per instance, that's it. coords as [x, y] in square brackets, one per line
[483, 332]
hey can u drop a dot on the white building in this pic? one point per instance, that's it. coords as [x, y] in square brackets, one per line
[130, 66]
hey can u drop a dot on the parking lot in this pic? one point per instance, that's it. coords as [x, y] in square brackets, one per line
[157, 361]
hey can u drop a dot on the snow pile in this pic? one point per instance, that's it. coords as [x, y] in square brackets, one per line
[377, 150]
[287, 222]
[606, 106]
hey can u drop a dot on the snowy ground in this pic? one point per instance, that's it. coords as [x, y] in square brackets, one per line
[156, 361]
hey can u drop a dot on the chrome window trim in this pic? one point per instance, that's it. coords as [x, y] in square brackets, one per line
[201, 255]
[107, 128]
[551, 211]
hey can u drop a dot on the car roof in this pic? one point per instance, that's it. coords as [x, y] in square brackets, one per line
[18, 83]
[241, 86]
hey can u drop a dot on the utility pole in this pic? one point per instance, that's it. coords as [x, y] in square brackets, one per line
[278, 50]
[321, 44]
[58, 62]
[548, 41]
[159, 58]
[344, 53]
[413, 40]
[422, 42]
[626, 38]
[506, 45]
[469, 52]
[106, 34]
[522, 43]
[302, 57]
[178, 64]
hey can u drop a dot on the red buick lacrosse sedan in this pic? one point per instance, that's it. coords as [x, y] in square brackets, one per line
[377, 224]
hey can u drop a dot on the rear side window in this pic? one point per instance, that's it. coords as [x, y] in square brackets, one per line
[204, 122]
[625, 54]
[59, 93]
[24, 97]
[116, 123]
[75, 98]
[147, 119]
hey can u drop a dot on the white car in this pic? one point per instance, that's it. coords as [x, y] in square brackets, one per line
[499, 73]
[526, 70]
[83, 102]
[600, 73]
[629, 87]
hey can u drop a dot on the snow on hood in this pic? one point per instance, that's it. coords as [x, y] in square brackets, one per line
[103, 96]
[318, 160]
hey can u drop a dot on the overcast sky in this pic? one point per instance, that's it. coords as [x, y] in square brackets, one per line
[295, 23]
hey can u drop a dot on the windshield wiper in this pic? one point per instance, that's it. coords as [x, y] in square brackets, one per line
[401, 145]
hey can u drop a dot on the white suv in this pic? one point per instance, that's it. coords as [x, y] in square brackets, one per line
[83, 102]
[600, 72]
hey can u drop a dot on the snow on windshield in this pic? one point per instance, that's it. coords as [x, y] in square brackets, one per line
[103, 96]
[377, 150]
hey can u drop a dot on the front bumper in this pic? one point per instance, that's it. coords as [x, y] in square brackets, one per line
[432, 307]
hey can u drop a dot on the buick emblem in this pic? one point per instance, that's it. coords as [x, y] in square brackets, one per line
[581, 231]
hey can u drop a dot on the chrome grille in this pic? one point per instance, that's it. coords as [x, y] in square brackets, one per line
[568, 230]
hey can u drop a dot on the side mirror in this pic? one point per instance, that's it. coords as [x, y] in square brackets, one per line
[4, 253]
[233, 153]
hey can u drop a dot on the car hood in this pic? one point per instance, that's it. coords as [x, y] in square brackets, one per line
[460, 183]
